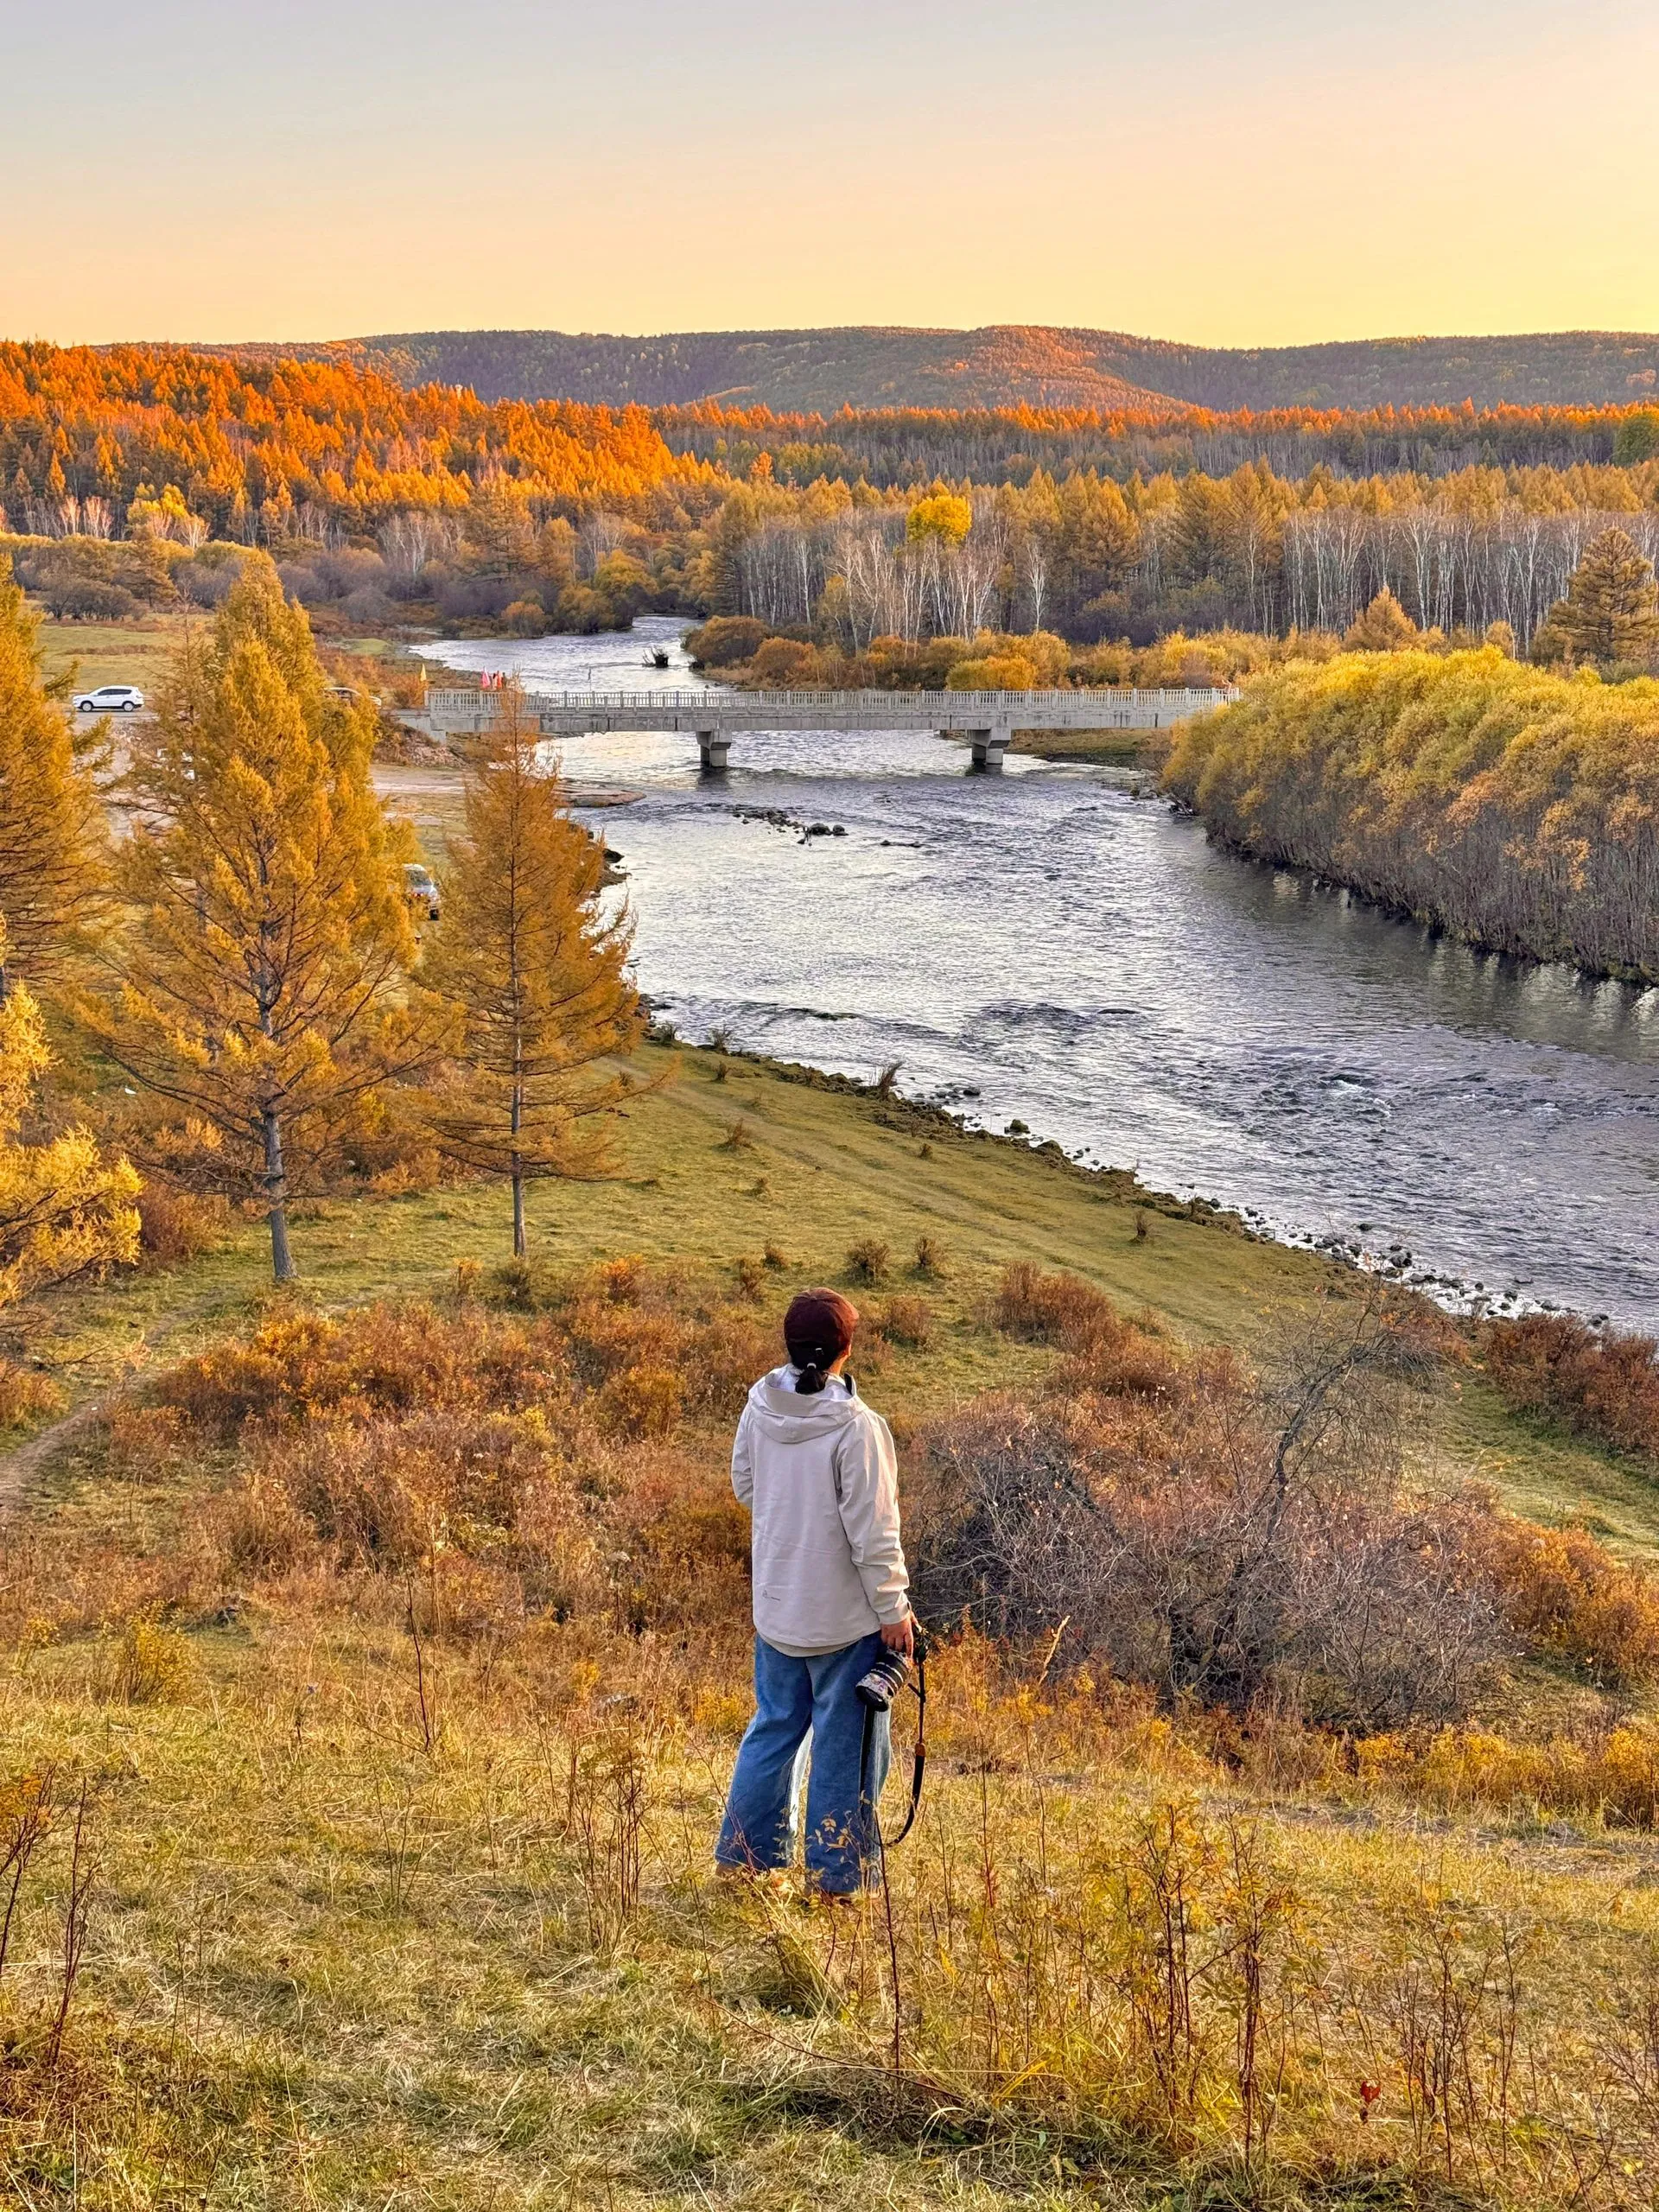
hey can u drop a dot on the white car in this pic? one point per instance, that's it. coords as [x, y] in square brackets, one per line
[110, 699]
[419, 888]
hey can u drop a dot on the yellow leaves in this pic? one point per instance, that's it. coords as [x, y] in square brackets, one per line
[52, 830]
[532, 969]
[995, 672]
[64, 1211]
[263, 972]
[943, 516]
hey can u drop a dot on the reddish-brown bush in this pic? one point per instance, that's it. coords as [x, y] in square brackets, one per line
[869, 1260]
[176, 1225]
[1566, 1597]
[642, 1400]
[903, 1320]
[385, 1358]
[1225, 1539]
[1050, 1309]
[1598, 1382]
[549, 1451]
[1106, 1353]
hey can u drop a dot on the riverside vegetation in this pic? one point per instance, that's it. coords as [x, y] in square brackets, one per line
[373, 1648]
[1516, 808]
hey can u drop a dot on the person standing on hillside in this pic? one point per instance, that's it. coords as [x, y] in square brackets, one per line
[818, 1470]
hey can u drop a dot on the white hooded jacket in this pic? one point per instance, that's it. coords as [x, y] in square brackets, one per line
[820, 1476]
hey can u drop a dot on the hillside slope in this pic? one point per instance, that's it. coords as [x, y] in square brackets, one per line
[1003, 364]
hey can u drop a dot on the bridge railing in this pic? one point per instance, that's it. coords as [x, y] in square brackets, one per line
[949, 706]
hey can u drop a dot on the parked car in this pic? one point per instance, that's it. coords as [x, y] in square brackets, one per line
[110, 699]
[419, 888]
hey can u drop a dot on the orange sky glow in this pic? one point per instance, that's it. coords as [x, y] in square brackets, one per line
[1229, 174]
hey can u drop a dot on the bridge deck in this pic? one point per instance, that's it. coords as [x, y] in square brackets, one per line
[462, 710]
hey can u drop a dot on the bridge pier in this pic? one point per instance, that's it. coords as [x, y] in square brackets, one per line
[714, 744]
[989, 746]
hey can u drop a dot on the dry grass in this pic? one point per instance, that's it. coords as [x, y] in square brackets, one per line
[366, 1931]
[25, 1395]
[402, 1654]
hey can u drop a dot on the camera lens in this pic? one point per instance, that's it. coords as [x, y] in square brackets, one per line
[883, 1682]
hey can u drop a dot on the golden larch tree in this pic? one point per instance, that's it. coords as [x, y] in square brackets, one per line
[1611, 610]
[534, 971]
[63, 1210]
[1384, 627]
[52, 837]
[262, 981]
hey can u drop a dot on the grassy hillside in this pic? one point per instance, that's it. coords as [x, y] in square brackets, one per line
[814, 1170]
[396, 1896]
[1009, 365]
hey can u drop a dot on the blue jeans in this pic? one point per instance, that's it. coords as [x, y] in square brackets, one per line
[796, 1698]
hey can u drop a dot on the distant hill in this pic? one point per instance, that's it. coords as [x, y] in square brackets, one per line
[1006, 364]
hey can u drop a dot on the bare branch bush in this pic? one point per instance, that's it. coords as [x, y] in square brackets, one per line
[1231, 1540]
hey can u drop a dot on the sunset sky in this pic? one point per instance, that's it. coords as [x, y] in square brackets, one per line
[1224, 171]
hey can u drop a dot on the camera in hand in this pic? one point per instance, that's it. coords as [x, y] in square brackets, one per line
[889, 1672]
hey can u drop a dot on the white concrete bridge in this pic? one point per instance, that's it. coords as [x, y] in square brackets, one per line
[986, 719]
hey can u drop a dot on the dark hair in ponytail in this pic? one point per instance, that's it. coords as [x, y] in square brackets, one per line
[812, 1377]
[817, 1330]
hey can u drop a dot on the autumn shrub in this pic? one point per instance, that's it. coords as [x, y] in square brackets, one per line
[26, 1395]
[930, 1260]
[1601, 1383]
[383, 1359]
[642, 1400]
[906, 1321]
[1049, 1309]
[725, 640]
[785, 664]
[151, 1663]
[549, 1451]
[869, 1260]
[177, 1226]
[1225, 1538]
[1566, 1597]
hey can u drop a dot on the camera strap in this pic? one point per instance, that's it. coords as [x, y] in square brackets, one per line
[917, 1760]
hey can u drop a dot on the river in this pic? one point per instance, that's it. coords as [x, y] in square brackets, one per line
[1045, 946]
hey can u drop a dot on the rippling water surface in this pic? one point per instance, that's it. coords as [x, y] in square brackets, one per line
[1043, 945]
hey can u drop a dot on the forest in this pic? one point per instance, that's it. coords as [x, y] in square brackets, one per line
[1009, 365]
[528, 517]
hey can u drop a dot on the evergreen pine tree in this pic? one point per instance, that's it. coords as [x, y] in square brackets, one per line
[535, 973]
[263, 976]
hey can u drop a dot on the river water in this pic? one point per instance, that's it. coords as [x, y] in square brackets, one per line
[1043, 945]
